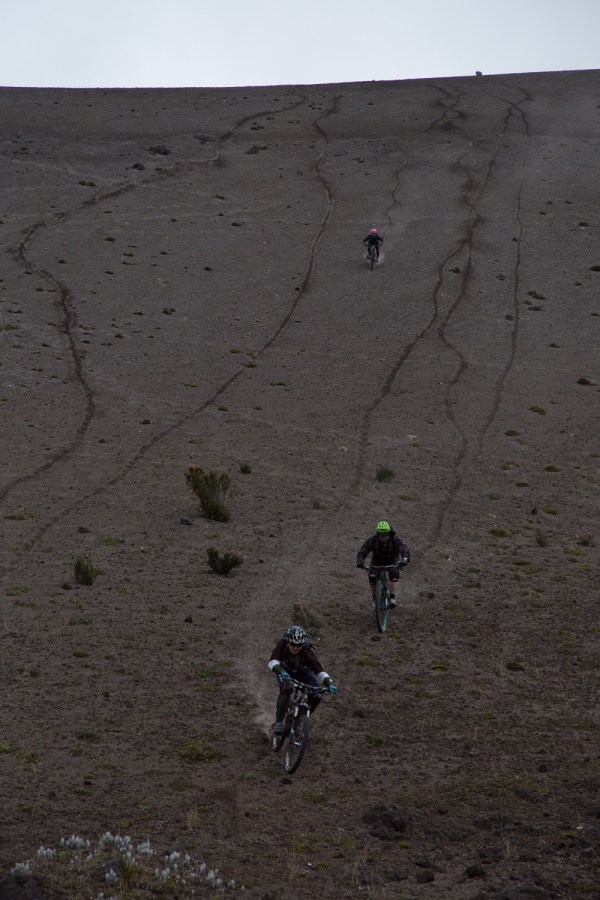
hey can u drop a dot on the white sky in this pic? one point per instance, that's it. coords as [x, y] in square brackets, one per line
[197, 43]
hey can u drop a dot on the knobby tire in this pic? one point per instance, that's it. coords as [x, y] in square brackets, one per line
[381, 605]
[372, 256]
[297, 743]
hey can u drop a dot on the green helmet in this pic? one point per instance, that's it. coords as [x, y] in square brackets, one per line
[383, 528]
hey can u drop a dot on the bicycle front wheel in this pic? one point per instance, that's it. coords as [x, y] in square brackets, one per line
[381, 605]
[297, 742]
[372, 254]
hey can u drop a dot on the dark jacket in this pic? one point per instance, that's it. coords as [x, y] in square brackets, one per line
[295, 662]
[373, 239]
[384, 554]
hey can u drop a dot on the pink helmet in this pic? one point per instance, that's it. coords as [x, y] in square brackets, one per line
[373, 231]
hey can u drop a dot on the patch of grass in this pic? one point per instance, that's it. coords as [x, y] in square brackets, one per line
[317, 797]
[212, 489]
[198, 750]
[493, 496]
[384, 474]
[375, 740]
[551, 468]
[512, 432]
[81, 654]
[223, 564]
[303, 616]
[514, 665]
[538, 409]
[316, 504]
[84, 570]
[245, 468]
[367, 660]
[17, 590]
[586, 540]
[507, 466]
[110, 541]
[550, 510]
[541, 537]
[21, 516]
[496, 531]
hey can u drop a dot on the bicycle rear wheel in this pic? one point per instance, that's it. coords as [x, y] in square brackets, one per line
[381, 604]
[297, 742]
[372, 256]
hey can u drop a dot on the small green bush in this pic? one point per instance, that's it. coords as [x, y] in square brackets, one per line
[384, 474]
[303, 616]
[212, 489]
[245, 468]
[222, 564]
[84, 570]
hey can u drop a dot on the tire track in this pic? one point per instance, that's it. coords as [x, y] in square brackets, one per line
[501, 380]
[67, 298]
[165, 432]
[365, 425]
[465, 244]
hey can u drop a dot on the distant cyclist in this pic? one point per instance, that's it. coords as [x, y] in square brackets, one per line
[294, 657]
[386, 549]
[373, 237]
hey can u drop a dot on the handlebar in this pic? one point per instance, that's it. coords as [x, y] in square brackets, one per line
[375, 566]
[307, 687]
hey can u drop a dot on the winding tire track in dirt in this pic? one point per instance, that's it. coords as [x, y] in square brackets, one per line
[70, 319]
[516, 282]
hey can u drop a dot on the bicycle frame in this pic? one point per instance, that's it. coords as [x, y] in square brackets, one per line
[296, 732]
[381, 598]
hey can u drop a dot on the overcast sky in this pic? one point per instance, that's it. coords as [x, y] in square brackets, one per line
[197, 43]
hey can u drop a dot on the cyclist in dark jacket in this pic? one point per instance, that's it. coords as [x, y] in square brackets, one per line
[386, 549]
[373, 237]
[293, 657]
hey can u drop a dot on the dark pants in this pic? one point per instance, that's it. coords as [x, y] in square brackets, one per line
[306, 676]
[394, 574]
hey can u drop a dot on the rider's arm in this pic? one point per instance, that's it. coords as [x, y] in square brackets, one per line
[364, 550]
[275, 664]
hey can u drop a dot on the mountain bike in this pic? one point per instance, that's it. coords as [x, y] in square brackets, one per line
[372, 256]
[381, 600]
[296, 724]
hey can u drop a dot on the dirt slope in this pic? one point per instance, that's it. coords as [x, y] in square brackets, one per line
[182, 283]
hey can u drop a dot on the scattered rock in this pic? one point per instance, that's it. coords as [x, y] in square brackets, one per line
[387, 822]
[203, 138]
[188, 619]
[526, 793]
[22, 886]
[424, 876]
[186, 520]
[159, 150]
[475, 871]
[455, 269]
[139, 166]
[491, 854]
[522, 891]
[586, 380]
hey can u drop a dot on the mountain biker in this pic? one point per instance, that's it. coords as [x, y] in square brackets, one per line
[387, 549]
[373, 237]
[294, 657]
